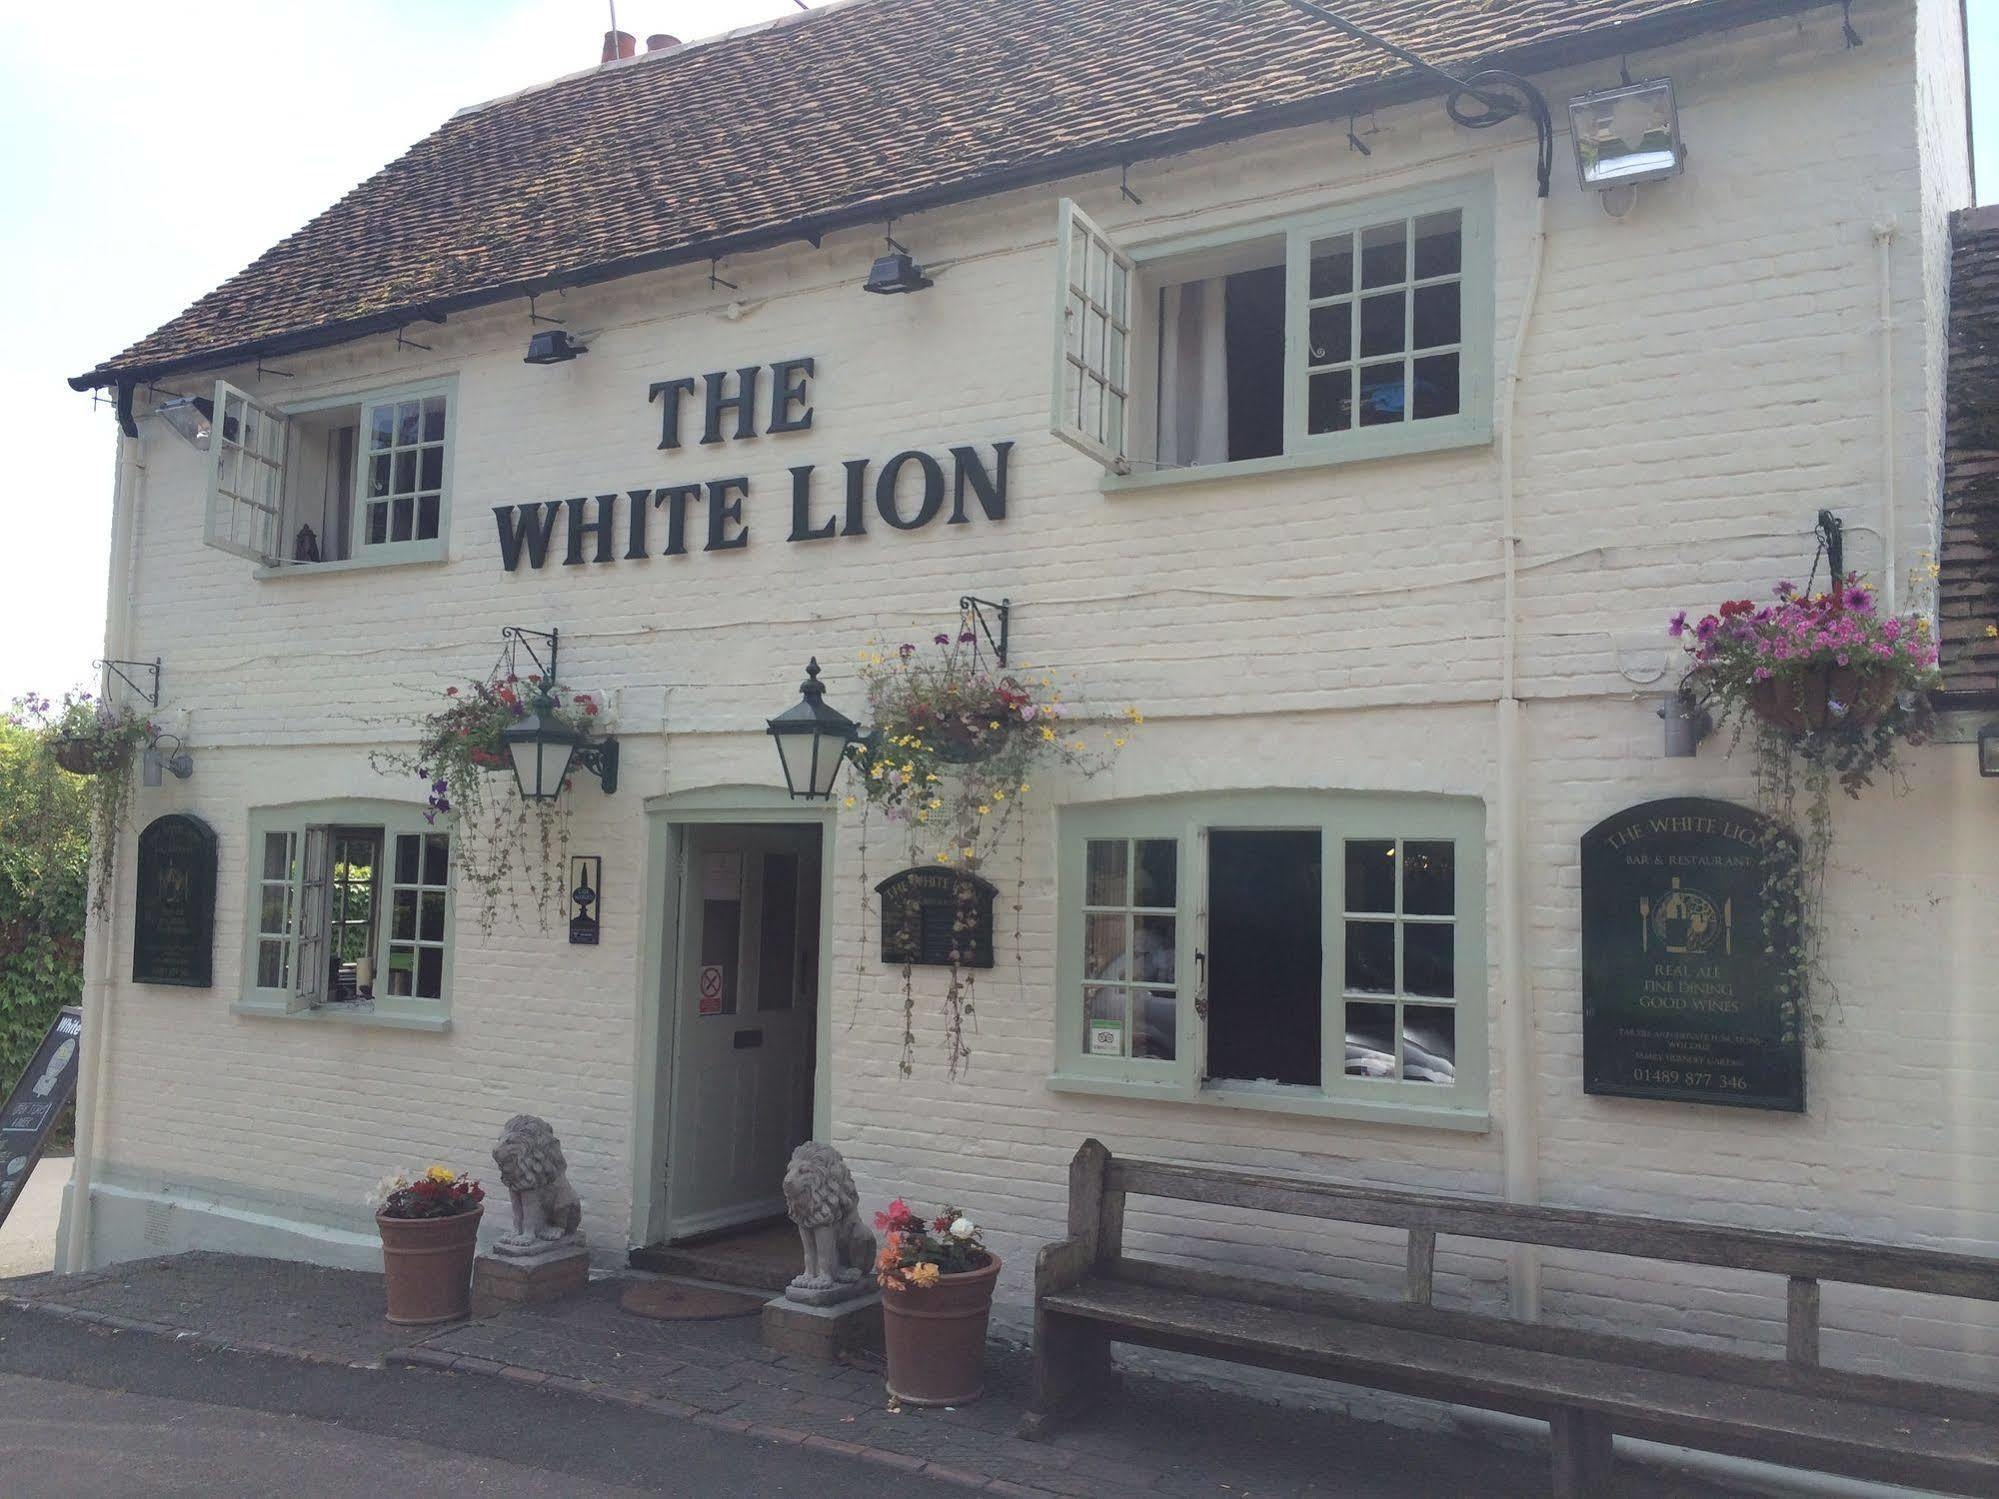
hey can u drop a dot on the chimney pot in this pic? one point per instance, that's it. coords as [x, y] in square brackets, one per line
[619, 44]
[659, 41]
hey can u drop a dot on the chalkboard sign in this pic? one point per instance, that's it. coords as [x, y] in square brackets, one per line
[173, 928]
[937, 917]
[40, 1095]
[1683, 996]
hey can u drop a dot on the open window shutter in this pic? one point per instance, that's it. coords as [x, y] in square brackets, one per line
[315, 890]
[1091, 388]
[246, 475]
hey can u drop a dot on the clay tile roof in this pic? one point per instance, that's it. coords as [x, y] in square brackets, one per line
[837, 117]
[1968, 587]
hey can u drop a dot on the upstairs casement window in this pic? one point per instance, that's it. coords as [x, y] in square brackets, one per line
[350, 910]
[1352, 333]
[1312, 952]
[339, 481]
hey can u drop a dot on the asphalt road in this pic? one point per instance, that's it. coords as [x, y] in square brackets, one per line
[87, 1412]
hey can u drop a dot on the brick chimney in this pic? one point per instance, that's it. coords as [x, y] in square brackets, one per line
[659, 41]
[619, 44]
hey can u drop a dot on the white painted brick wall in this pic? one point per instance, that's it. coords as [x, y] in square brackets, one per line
[1701, 378]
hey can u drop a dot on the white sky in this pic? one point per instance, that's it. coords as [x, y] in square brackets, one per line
[116, 116]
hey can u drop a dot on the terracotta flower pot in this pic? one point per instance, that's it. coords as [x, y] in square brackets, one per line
[427, 1267]
[936, 1337]
[1803, 705]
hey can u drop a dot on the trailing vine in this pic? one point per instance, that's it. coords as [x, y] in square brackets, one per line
[505, 845]
[1830, 692]
[950, 765]
[90, 739]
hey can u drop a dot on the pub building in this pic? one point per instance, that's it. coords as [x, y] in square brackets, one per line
[1192, 357]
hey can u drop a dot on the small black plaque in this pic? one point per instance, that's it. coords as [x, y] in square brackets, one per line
[173, 926]
[937, 917]
[39, 1097]
[1683, 997]
[586, 899]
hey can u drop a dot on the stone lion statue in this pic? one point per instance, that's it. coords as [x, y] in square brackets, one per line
[820, 1195]
[546, 1208]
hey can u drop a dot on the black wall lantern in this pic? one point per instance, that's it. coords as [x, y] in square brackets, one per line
[812, 740]
[552, 346]
[541, 744]
[542, 747]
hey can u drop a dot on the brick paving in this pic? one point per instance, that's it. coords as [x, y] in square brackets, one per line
[1168, 1438]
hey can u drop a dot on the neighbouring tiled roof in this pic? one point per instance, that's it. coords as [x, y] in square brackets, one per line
[832, 118]
[1968, 586]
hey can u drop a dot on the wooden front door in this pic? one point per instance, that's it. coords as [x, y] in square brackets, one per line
[746, 1007]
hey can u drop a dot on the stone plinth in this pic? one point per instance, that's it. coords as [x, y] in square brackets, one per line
[823, 1333]
[528, 1279]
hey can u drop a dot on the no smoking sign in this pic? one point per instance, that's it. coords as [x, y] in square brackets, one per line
[710, 986]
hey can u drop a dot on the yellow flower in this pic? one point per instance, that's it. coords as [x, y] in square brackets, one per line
[1992, 632]
[968, 853]
[1023, 787]
[1046, 732]
[931, 777]
[935, 803]
[944, 856]
[923, 817]
[983, 809]
[923, 1275]
[994, 724]
[999, 796]
[441, 1174]
[849, 803]
[1117, 743]
[1134, 715]
[1076, 744]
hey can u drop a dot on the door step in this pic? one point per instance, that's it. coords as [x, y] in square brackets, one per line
[764, 1258]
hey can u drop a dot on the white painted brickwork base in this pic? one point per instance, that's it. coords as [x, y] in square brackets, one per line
[1701, 380]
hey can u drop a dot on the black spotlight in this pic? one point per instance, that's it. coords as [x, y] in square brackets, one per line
[895, 273]
[552, 346]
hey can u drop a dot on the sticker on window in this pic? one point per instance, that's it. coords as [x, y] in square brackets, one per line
[1106, 1038]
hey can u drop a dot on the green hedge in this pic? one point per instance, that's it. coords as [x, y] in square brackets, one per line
[44, 875]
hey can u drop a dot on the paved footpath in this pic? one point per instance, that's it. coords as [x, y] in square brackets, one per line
[714, 1379]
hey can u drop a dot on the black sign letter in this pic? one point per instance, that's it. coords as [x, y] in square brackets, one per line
[533, 524]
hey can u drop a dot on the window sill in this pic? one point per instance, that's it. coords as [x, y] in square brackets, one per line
[1466, 434]
[379, 1019]
[1284, 1100]
[414, 557]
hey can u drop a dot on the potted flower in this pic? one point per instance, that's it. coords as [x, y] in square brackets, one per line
[430, 1234]
[937, 1282]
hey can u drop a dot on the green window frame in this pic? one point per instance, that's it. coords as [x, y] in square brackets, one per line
[1106, 390]
[303, 922]
[397, 499]
[1405, 957]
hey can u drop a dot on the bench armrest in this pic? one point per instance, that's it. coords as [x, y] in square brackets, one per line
[1062, 1266]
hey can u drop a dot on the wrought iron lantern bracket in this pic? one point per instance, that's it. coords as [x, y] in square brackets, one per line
[975, 609]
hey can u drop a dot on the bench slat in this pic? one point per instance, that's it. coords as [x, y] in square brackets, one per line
[1801, 1321]
[1807, 1256]
[1961, 1401]
[1891, 1445]
[1422, 1265]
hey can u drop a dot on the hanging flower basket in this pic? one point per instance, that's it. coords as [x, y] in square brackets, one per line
[88, 756]
[970, 737]
[1825, 697]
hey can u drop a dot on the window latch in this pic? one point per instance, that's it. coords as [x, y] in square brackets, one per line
[1200, 983]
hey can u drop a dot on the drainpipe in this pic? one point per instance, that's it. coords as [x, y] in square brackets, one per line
[1520, 1125]
[128, 487]
[1884, 246]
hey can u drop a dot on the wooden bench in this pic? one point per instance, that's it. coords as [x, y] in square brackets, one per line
[1088, 1294]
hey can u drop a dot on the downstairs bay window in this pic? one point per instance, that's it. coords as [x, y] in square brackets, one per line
[1313, 952]
[350, 913]
[347, 480]
[1348, 333]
